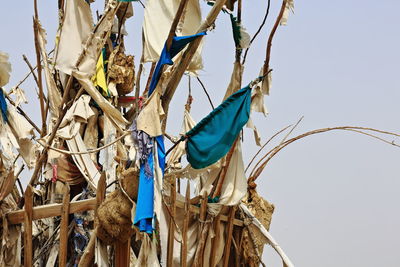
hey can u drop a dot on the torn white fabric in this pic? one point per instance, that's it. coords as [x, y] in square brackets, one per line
[24, 134]
[20, 96]
[257, 137]
[101, 255]
[288, 8]
[236, 79]
[149, 119]
[287, 262]
[116, 117]
[96, 41]
[79, 113]
[77, 26]
[234, 187]
[158, 17]
[83, 161]
[148, 252]
[110, 134]
[5, 69]
[174, 159]
[53, 93]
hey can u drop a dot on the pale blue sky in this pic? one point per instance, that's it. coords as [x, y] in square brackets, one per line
[337, 195]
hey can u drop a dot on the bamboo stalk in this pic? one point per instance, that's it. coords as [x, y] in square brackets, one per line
[229, 230]
[28, 251]
[184, 249]
[171, 227]
[62, 256]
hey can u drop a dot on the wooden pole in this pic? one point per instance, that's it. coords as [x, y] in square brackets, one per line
[171, 227]
[62, 256]
[217, 230]
[228, 242]
[184, 249]
[28, 252]
[122, 253]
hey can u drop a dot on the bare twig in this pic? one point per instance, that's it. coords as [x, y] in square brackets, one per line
[270, 154]
[23, 114]
[257, 32]
[271, 36]
[205, 91]
[266, 143]
[39, 70]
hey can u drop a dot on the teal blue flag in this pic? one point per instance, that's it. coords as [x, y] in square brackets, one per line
[214, 135]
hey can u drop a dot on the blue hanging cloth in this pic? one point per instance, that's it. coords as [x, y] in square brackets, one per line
[214, 135]
[145, 204]
[3, 106]
[161, 152]
[178, 44]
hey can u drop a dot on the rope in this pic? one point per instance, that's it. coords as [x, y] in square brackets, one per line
[84, 152]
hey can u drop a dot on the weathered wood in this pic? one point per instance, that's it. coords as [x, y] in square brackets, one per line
[28, 226]
[184, 247]
[217, 230]
[171, 227]
[51, 210]
[228, 242]
[100, 192]
[62, 256]
[122, 253]
[203, 232]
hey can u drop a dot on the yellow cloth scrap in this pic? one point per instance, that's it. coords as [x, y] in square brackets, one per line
[99, 79]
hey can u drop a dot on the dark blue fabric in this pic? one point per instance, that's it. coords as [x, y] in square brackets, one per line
[178, 44]
[3, 106]
[145, 203]
[214, 135]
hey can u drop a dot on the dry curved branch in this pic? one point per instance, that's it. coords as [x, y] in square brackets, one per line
[270, 154]
[266, 143]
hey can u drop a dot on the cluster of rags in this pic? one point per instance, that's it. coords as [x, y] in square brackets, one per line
[104, 190]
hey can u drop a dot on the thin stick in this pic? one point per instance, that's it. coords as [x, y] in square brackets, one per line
[271, 36]
[31, 69]
[266, 143]
[39, 71]
[291, 130]
[270, 154]
[83, 152]
[225, 169]
[257, 32]
[205, 91]
[23, 114]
